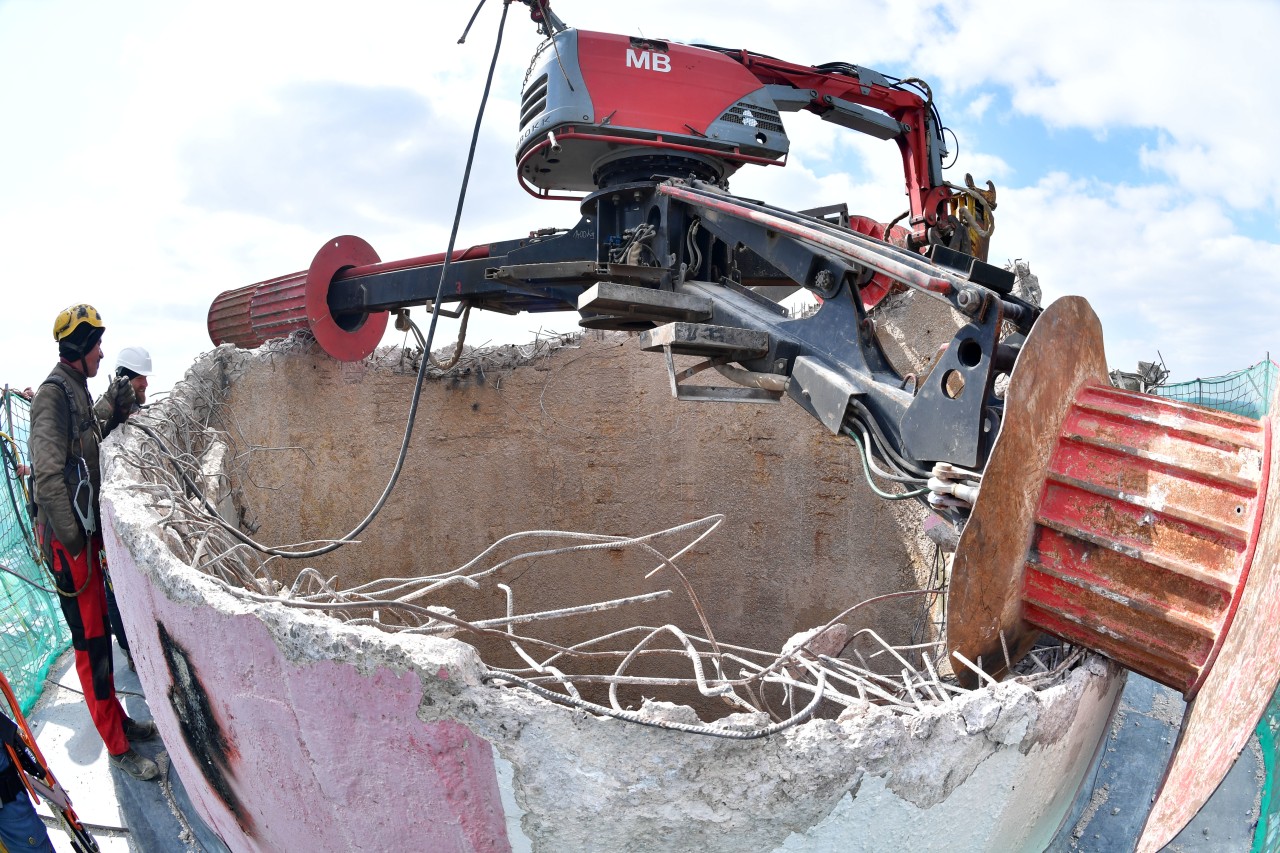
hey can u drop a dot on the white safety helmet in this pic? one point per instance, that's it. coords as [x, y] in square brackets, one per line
[135, 359]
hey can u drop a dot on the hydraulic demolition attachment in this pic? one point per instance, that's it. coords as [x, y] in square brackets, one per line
[1135, 526]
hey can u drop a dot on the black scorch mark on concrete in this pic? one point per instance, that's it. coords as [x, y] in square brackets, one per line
[206, 740]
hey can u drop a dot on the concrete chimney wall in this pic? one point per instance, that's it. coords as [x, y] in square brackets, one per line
[588, 439]
[293, 730]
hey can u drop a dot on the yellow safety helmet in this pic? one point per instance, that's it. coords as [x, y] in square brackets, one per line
[73, 318]
[78, 330]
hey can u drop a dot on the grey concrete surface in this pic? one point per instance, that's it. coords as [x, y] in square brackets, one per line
[1109, 812]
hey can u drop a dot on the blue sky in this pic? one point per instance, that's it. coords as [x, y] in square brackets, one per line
[158, 153]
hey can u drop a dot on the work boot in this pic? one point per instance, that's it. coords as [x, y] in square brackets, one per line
[135, 730]
[138, 766]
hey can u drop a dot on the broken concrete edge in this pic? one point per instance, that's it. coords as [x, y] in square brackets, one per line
[443, 363]
[574, 772]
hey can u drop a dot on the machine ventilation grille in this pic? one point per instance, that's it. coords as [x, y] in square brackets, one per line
[535, 101]
[752, 115]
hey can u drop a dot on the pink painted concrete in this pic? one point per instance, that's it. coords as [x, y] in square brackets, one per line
[310, 741]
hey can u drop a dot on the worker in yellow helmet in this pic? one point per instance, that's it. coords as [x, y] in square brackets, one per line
[63, 446]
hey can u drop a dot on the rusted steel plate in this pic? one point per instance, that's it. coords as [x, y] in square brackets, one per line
[1144, 534]
[707, 340]
[279, 307]
[1238, 687]
[1063, 352]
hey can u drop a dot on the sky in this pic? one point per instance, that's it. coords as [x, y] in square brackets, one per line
[155, 154]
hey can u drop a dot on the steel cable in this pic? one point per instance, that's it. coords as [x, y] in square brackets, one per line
[333, 545]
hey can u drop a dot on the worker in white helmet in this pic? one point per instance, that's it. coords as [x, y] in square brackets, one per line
[134, 363]
[126, 395]
[128, 390]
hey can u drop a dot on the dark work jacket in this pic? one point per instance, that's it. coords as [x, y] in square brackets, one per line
[50, 446]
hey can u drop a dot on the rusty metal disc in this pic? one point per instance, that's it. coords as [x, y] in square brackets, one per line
[1063, 351]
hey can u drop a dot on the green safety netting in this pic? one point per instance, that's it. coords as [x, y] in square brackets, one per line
[1246, 392]
[1266, 838]
[32, 631]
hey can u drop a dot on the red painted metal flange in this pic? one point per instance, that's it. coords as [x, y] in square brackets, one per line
[250, 316]
[344, 341]
[1137, 527]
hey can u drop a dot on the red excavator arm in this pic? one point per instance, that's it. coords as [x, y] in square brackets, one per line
[603, 109]
[835, 92]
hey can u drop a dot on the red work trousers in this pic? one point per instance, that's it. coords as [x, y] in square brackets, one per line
[86, 616]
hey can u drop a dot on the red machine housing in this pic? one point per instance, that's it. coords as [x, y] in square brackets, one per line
[599, 99]
[603, 109]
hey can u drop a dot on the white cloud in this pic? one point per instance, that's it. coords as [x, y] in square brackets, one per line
[978, 106]
[122, 107]
[1190, 71]
[1161, 271]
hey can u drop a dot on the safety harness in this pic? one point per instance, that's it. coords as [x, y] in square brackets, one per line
[75, 473]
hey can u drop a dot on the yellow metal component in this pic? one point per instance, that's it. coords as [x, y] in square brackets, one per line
[974, 208]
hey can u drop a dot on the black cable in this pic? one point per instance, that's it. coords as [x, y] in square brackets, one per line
[119, 692]
[102, 829]
[332, 546]
[462, 38]
[956, 155]
[898, 476]
[466, 177]
[19, 512]
[887, 449]
[865, 452]
[914, 83]
[732, 52]
[417, 389]
[25, 579]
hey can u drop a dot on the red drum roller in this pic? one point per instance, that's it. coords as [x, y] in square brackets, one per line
[1139, 527]
[250, 316]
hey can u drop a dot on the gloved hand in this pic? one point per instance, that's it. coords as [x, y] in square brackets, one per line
[11, 736]
[120, 397]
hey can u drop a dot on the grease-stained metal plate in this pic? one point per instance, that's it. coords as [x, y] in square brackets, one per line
[711, 341]
[1063, 352]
